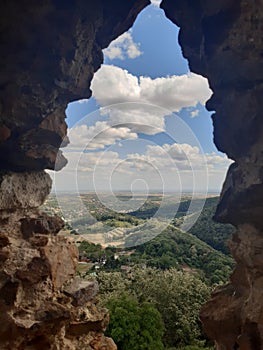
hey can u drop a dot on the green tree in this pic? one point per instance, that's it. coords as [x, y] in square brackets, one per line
[134, 327]
[112, 285]
[177, 296]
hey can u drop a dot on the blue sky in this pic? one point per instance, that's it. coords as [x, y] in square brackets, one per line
[127, 130]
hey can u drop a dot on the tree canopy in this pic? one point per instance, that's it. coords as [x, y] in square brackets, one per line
[134, 326]
[176, 295]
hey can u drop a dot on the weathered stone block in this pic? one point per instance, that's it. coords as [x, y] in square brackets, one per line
[24, 190]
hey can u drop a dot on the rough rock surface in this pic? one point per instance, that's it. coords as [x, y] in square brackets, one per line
[50, 51]
[43, 305]
[223, 41]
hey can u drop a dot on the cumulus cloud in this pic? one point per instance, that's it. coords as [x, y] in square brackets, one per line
[216, 162]
[138, 117]
[172, 166]
[113, 84]
[180, 157]
[83, 137]
[160, 157]
[135, 105]
[154, 98]
[175, 92]
[123, 47]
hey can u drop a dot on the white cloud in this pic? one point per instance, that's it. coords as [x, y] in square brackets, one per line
[154, 98]
[135, 105]
[83, 137]
[194, 113]
[84, 100]
[182, 157]
[113, 84]
[175, 92]
[216, 162]
[170, 166]
[123, 47]
[156, 2]
[138, 117]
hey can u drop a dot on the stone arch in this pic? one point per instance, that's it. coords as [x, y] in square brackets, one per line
[50, 52]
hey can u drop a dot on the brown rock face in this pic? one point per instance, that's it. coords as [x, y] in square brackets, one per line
[42, 305]
[222, 40]
[50, 51]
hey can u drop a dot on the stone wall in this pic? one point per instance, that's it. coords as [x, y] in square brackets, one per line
[223, 41]
[50, 50]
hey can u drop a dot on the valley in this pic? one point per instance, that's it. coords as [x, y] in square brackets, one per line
[136, 247]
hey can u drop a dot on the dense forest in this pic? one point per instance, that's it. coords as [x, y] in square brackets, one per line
[174, 248]
[171, 249]
[153, 309]
[209, 231]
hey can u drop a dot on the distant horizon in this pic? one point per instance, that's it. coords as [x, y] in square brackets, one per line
[157, 191]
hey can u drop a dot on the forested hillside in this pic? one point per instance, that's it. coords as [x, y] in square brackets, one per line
[209, 231]
[174, 248]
